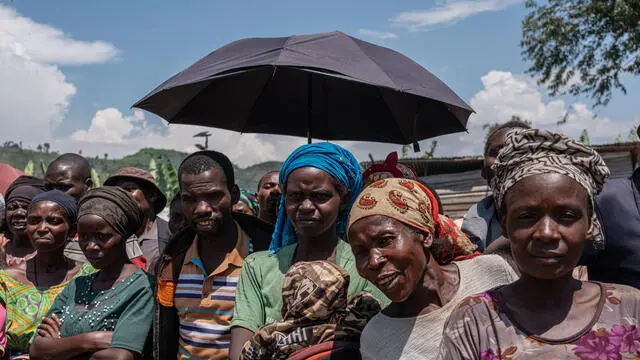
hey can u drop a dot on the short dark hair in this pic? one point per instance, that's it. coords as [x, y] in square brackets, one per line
[202, 161]
[264, 176]
[511, 124]
[79, 164]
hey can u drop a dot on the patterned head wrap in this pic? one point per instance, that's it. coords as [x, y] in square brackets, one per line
[390, 168]
[532, 152]
[413, 204]
[250, 199]
[330, 158]
[115, 206]
[315, 309]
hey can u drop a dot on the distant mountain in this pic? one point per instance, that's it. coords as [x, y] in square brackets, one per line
[19, 158]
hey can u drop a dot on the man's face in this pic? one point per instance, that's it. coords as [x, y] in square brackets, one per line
[206, 201]
[63, 177]
[269, 193]
[495, 144]
[140, 194]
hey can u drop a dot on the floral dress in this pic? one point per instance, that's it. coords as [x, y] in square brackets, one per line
[478, 329]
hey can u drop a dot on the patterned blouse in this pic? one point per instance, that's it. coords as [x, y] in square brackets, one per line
[478, 329]
[26, 305]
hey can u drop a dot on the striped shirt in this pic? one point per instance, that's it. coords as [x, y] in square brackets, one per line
[205, 303]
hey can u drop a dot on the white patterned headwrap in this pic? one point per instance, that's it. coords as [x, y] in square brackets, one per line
[529, 152]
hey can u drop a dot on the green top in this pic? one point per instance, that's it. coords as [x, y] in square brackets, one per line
[259, 292]
[126, 309]
[26, 305]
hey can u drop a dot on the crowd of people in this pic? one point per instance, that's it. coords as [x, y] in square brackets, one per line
[325, 260]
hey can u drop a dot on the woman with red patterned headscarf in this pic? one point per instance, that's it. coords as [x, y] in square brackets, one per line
[396, 233]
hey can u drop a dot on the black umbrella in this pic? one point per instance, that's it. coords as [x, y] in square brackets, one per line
[330, 86]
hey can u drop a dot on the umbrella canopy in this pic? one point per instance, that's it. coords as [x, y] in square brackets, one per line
[7, 175]
[331, 86]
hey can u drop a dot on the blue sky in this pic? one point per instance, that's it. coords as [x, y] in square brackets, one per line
[114, 52]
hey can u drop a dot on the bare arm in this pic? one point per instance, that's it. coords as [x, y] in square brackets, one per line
[50, 348]
[239, 336]
[114, 354]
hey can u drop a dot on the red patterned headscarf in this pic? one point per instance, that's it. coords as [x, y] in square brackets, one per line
[390, 168]
[413, 204]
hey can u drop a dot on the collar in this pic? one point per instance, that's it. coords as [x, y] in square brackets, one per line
[151, 233]
[235, 257]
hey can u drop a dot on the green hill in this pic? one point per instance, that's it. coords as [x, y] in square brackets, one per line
[19, 158]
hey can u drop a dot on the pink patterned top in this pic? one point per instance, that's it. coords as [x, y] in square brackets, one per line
[478, 329]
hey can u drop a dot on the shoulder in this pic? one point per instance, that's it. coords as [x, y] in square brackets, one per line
[489, 262]
[615, 190]
[475, 307]
[617, 293]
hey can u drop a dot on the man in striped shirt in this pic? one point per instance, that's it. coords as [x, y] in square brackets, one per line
[199, 269]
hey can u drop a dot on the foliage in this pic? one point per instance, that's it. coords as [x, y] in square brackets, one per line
[30, 168]
[404, 152]
[95, 177]
[429, 154]
[618, 139]
[633, 135]
[584, 137]
[43, 167]
[582, 46]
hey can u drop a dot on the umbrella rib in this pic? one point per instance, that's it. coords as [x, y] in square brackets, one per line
[397, 88]
[266, 83]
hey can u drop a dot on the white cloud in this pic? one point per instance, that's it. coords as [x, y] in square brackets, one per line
[46, 44]
[109, 126]
[379, 35]
[449, 12]
[33, 97]
[505, 94]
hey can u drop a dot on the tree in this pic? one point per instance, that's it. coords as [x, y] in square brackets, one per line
[39, 147]
[429, 154]
[405, 152]
[46, 147]
[633, 135]
[584, 137]
[80, 152]
[106, 156]
[618, 139]
[582, 46]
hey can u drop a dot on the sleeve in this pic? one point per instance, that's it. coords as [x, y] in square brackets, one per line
[3, 330]
[249, 309]
[134, 324]
[475, 227]
[466, 331]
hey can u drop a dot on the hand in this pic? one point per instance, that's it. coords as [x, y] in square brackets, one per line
[50, 327]
[101, 339]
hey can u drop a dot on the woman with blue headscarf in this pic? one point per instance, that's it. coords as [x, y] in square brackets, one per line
[320, 183]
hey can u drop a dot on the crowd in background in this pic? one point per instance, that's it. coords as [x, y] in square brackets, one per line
[326, 260]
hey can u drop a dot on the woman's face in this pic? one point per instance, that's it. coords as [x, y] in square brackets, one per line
[100, 243]
[312, 201]
[17, 217]
[47, 226]
[546, 218]
[390, 255]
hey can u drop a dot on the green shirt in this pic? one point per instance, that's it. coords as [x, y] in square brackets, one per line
[259, 292]
[126, 309]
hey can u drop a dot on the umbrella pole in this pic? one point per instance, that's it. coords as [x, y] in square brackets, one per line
[309, 108]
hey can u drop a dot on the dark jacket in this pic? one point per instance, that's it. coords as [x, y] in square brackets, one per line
[164, 235]
[618, 209]
[165, 322]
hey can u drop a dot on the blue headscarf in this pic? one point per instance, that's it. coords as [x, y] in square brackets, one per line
[330, 158]
[66, 202]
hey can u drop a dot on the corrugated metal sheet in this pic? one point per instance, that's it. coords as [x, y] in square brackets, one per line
[459, 191]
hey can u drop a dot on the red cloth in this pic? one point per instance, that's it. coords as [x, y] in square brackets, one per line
[7, 175]
[140, 262]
